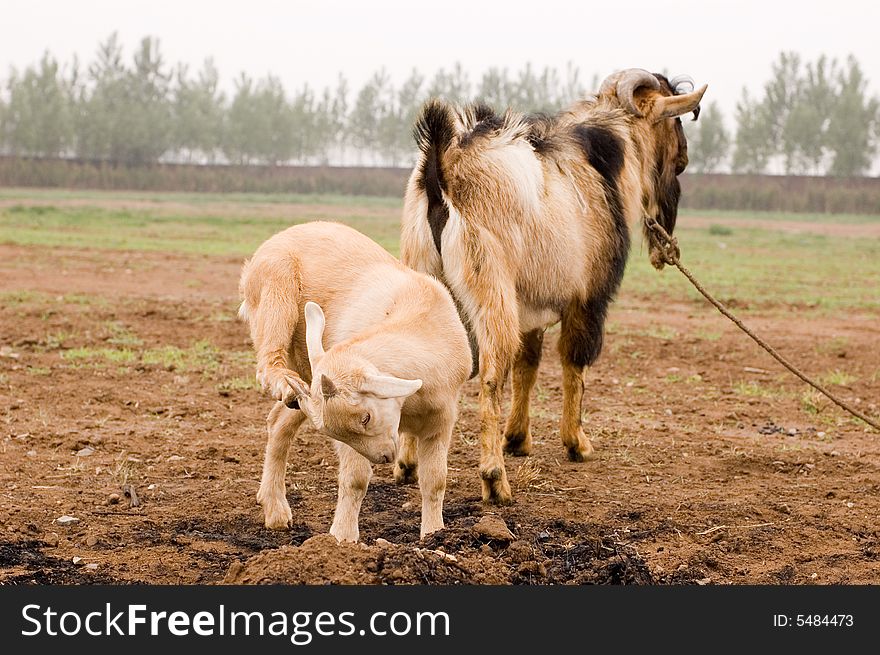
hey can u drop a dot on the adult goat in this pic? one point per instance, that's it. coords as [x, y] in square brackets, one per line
[526, 220]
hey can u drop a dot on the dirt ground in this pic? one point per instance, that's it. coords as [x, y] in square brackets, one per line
[713, 466]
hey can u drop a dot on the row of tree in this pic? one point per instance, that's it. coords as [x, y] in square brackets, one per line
[812, 118]
[145, 111]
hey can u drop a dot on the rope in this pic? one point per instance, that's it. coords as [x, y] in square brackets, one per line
[670, 253]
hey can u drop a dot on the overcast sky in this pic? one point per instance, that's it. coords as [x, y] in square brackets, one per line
[726, 45]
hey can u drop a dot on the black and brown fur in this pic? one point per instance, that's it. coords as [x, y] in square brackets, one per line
[527, 221]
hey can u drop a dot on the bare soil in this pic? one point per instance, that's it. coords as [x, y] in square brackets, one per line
[712, 466]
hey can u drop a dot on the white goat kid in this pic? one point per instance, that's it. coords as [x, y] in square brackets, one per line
[395, 360]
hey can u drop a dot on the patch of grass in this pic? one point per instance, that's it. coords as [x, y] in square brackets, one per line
[82, 299]
[770, 216]
[707, 335]
[241, 383]
[662, 332]
[839, 378]
[12, 299]
[39, 370]
[120, 335]
[100, 355]
[812, 402]
[541, 394]
[765, 268]
[4, 379]
[55, 340]
[194, 229]
[755, 390]
[202, 356]
[758, 267]
[833, 345]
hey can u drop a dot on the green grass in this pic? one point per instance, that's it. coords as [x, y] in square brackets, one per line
[202, 356]
[120, 335]
[758, 266]
[158, 197]
[207, 234]
[743, 266]
[839, 378]
[241, 383]
[755, 390]
[728, 214]
[114, 355]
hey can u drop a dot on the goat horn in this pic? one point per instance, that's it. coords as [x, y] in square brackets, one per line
[682, 81]
[629, 82]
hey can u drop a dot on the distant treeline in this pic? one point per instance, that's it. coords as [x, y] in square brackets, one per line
[809, 118]
[857, 195]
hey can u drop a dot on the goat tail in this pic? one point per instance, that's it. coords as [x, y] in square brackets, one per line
[270, 299]
[476, 161]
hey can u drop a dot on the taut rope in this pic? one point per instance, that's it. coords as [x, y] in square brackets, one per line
[671, 254]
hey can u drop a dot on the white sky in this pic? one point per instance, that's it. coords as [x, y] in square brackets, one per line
[726, 45]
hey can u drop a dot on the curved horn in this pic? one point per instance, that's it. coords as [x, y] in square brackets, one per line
[625, 83]
[609, 83]
[669, 106]
[682, 84]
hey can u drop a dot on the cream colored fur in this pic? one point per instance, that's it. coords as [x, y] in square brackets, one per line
[370, 350]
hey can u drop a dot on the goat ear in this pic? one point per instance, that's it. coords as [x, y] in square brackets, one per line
[328, 389]
[314, 333]
[303, 399]
[384, 386]
[670, 106]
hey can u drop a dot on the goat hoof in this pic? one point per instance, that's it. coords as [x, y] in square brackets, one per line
[496, 489]
[406, 473]
[518, 445]
[276, 512]
[581, 453]
[345, 534]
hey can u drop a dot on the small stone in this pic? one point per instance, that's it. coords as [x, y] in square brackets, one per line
[6, 351]
[407, 506]
[92, 566]
[51, 539]
[493, 527]
[532, 568]
[814, 576]
[77, 560]
[114, 499]
[519, 551]
[91, 540]
[31, 453]
[668, 412]
[175, 458]
[66, 520]
[704, 581]
[85, 452]
[820, 434]
[382, 543]
[235, 570]
[151, 487]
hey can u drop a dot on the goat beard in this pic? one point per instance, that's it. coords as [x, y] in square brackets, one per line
[655, 253]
